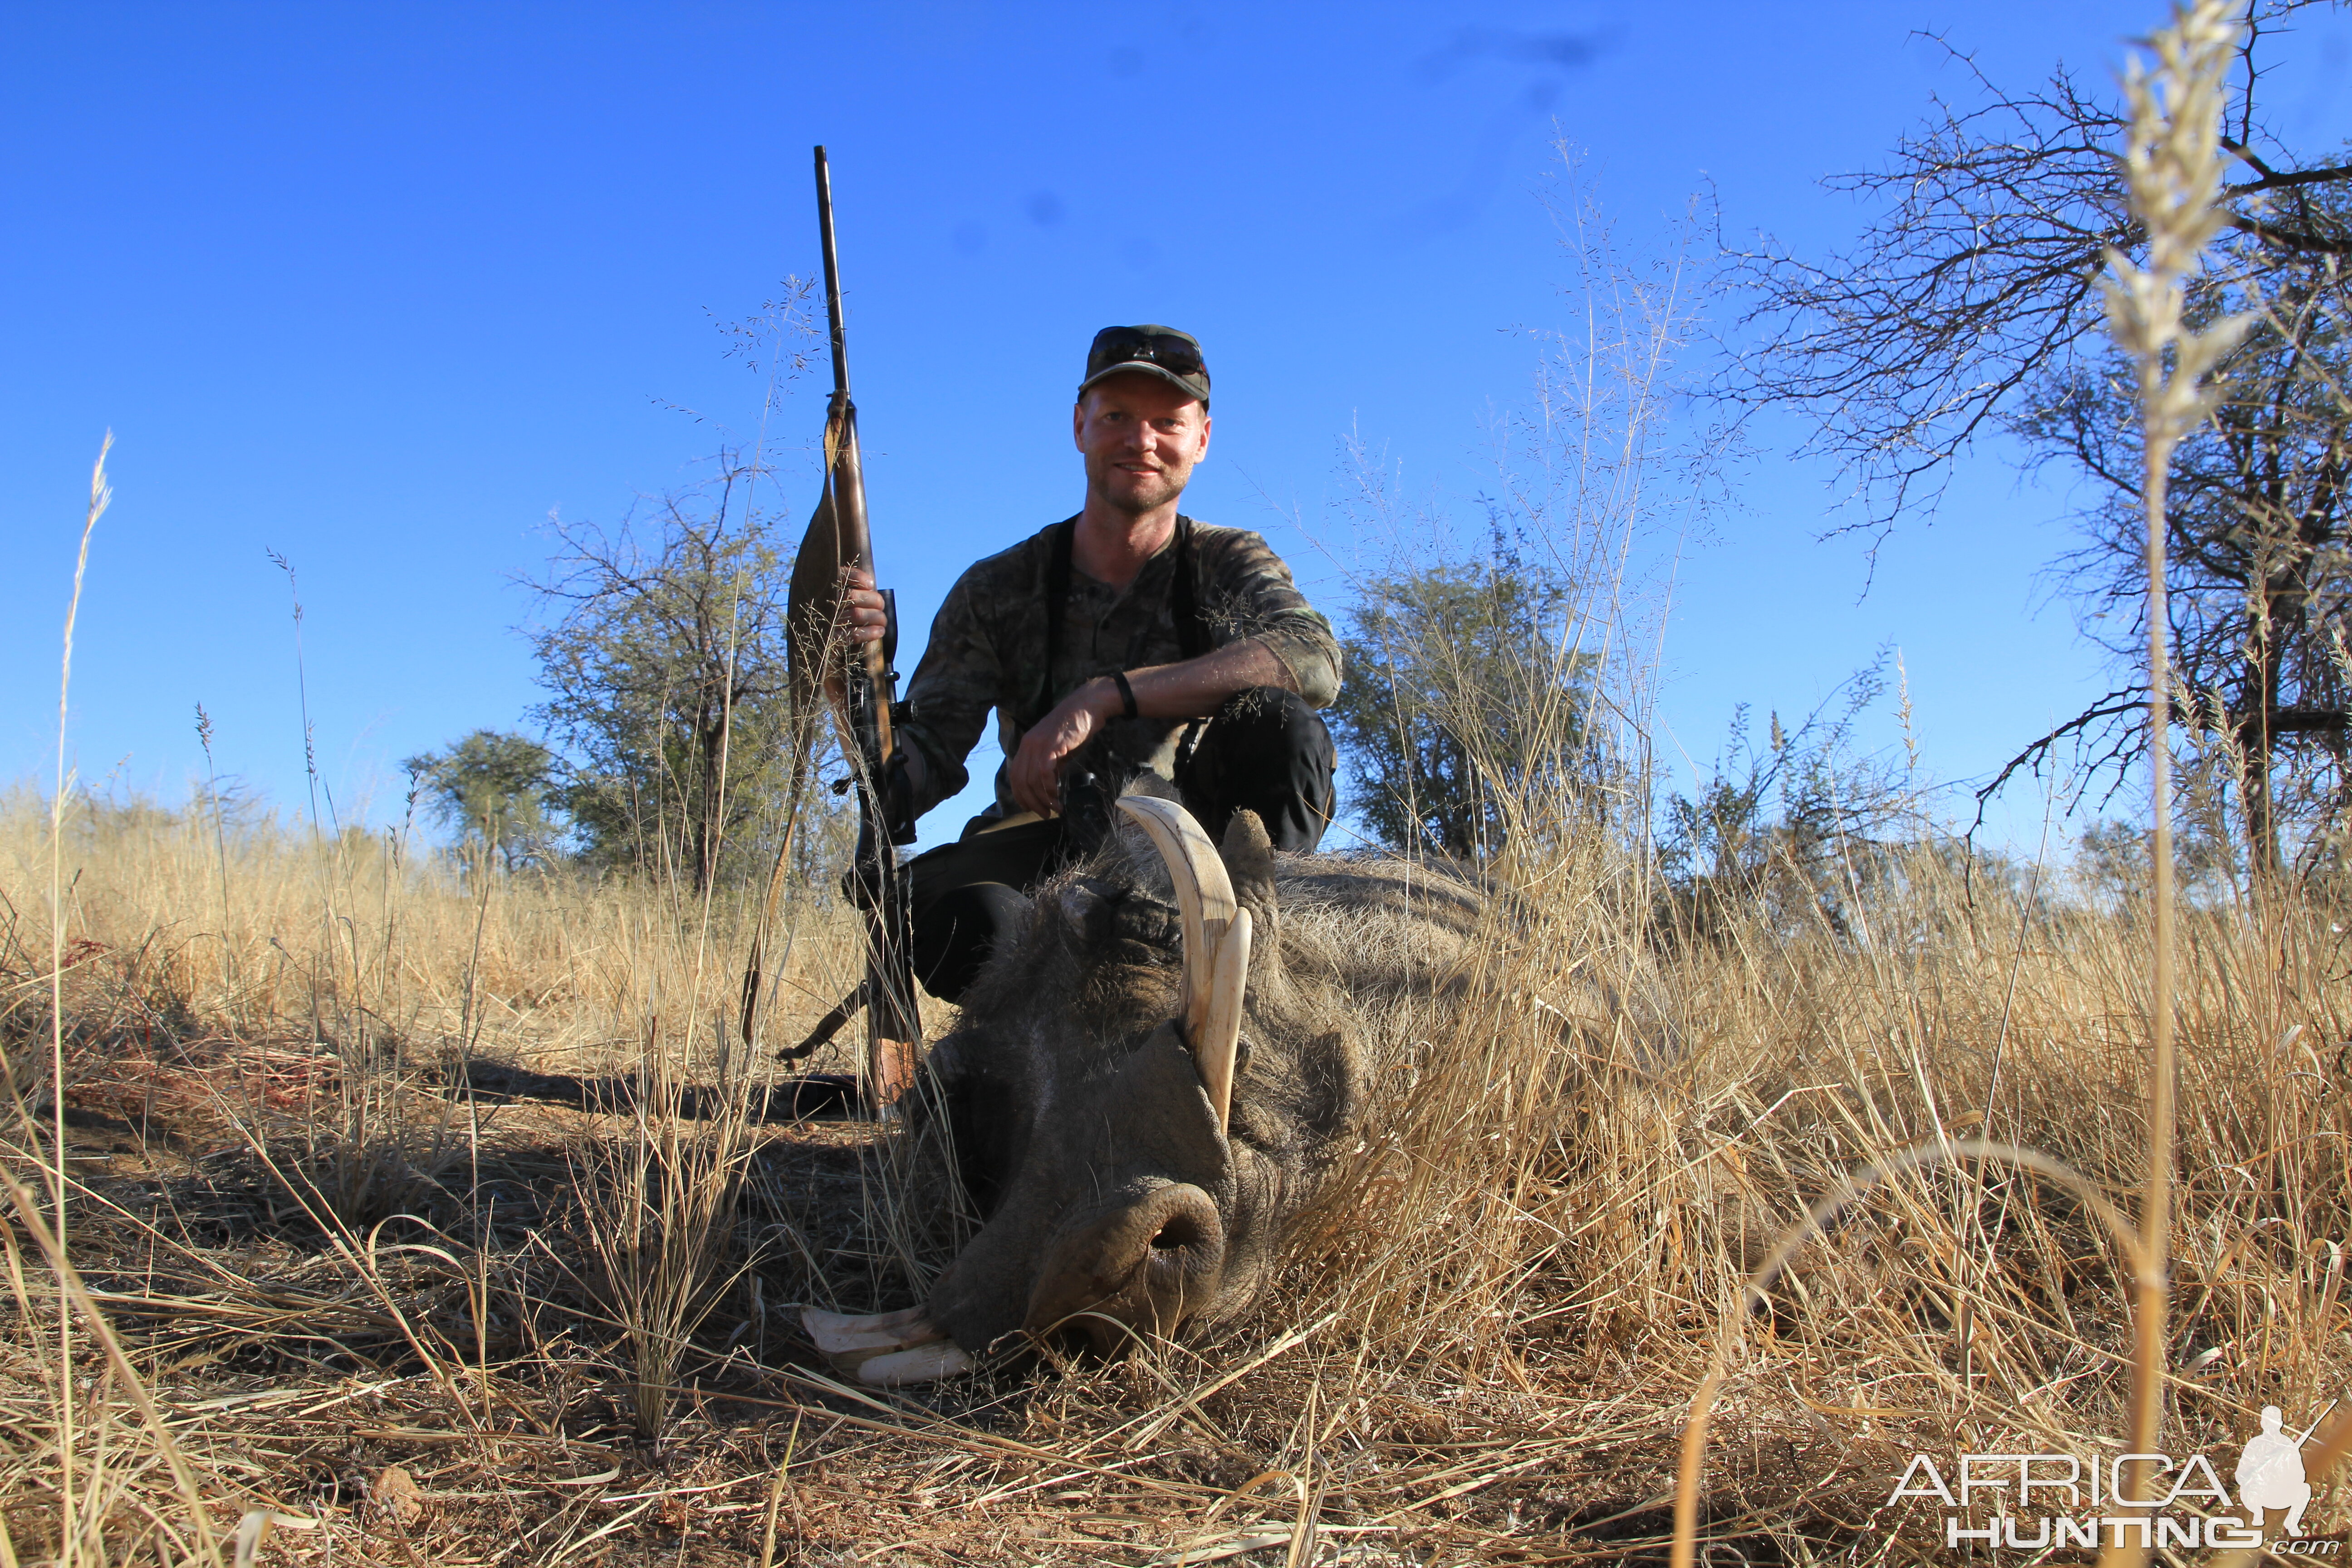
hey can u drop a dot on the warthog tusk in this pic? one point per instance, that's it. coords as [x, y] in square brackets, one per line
[1213, 1048]
[837, 1334]
[1216, 940]
[924, 1363]
[813, 1319]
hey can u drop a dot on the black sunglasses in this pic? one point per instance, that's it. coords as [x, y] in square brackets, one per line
[1165, 350]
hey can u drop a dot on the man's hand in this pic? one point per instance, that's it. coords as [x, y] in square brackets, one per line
[1192, 689]
[1037, 772]
[863, 618]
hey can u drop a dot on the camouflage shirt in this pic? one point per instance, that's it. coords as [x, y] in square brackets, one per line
[988, 647]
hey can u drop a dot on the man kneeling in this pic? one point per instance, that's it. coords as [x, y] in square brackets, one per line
[1125, 639]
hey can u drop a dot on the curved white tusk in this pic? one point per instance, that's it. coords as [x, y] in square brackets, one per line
[813, 1319]
[1205, 901]
[1218, 1038]
[924, 1363]
[837, 1334]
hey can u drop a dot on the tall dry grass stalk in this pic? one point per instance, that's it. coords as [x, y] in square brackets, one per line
[2173, 167]
[99, 495]
[90, 1485]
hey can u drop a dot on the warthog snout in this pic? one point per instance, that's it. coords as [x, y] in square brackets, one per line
[1140, 1267]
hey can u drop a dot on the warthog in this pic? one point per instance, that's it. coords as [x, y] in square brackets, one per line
[1153, 1076]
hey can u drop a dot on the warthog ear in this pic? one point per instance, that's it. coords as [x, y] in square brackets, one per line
[1216, 942]
[1248, 855]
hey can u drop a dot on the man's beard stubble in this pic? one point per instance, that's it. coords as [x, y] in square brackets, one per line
[1170, 485]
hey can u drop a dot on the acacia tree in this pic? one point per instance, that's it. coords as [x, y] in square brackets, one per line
[664, 666]
[499, 791]
[1461, 695]
[1971, 306]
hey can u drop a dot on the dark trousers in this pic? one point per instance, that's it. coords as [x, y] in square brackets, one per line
[1263, 751]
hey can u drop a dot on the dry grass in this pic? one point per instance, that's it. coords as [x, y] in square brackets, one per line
[1574, 1179]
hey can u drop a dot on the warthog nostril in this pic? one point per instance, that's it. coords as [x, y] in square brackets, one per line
[1135, 1268]
[1181, 1231]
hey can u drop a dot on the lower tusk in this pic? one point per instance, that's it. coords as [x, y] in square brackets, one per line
[813, 1319]
[924, 1363]
[836, 1334]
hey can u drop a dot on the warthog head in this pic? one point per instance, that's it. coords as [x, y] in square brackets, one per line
[1141, 1093]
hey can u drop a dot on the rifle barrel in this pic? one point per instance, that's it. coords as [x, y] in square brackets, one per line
[832, 276]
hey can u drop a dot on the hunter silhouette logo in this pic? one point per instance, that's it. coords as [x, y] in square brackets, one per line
[2270, 1472]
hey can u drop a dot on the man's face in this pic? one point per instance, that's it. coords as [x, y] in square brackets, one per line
[1140, 438]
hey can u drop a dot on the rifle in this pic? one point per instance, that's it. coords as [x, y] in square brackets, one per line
[858, 685]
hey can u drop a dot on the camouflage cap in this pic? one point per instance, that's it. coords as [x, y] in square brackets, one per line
[1163, 352]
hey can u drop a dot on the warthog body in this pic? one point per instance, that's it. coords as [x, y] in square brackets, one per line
[1085, 1088]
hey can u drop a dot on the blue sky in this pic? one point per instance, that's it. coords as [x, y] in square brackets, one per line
[378, 287]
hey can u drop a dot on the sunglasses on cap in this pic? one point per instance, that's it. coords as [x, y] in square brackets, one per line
[1124, 346]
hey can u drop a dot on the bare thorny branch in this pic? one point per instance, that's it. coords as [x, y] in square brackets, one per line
[1969, 307]
[1979, 277]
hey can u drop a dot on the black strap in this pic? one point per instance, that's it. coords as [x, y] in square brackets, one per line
[1057, 596]
[1183, 601]
[1184, 596]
